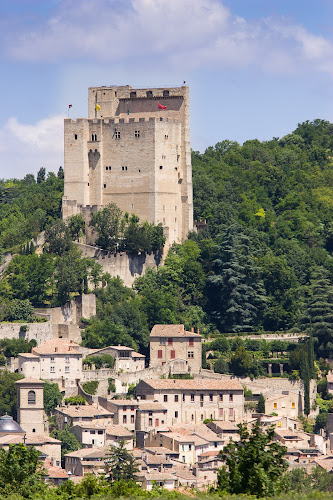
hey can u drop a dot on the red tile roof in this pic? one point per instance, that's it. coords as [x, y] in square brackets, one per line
[171, 331]
[195, 384]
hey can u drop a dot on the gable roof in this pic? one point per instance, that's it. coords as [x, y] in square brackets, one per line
[57, 346]
[172, 331]
[194, 384]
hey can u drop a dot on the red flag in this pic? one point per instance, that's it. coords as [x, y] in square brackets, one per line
[69, 106]
[160, 106]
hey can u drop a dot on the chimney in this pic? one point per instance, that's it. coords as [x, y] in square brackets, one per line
[192, 329]
[198, 331]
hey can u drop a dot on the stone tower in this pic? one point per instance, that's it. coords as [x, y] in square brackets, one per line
[133, 150]
[30, 405]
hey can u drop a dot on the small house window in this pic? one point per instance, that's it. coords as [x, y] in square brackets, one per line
[231, 397]
[52, 369]
[293, 405]
[117, 134]
[66, 369]
[104, 186]
[201, 397]
[176, 398]
[192, 397]
[275, 406]
[31, 398]
[165, 398]
[159, 354]
[122, 168]
[150, 422]
[183, 397]
[190, 354]
[176, 414]
[161, 166]
[210, 397]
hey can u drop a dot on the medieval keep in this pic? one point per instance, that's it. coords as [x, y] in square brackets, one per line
[133, 150]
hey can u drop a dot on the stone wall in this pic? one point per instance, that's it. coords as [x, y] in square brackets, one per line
[41, 332]
[127, 267]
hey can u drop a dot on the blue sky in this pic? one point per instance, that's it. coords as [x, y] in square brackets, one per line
[255, 68]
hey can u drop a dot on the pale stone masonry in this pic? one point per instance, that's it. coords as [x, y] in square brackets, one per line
[125, 358]
[133, 153]
[172, 343]
[193, 401]
[30, 405]
[57, 360]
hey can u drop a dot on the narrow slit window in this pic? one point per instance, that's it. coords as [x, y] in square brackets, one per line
[104, 186]
[75, 137]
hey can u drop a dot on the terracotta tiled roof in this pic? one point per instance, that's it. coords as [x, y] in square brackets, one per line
[195, 384]
[118, 430]
[137, 355]
[30, 380]
[28, 355]
[160, 450]
[171, 331]
[57, 346]
[158, 476]
[123, 402]
[150, 406]
[200, 430]
[326, 463]
[84, 411]
[31, 439]
[88, 453]
[212, 453]
[54, 472]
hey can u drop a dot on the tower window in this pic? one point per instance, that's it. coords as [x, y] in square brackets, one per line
[92, 137]
[75, 137]
[95, 137]
[117, 134]
[161, 166]
[122, 168]
[132, 205]
[115, 93]
[137, 133]
[104, 186]
[31, 398]
[166, 137]
[88, 183]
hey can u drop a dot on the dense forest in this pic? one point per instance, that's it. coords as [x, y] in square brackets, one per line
[262, 262]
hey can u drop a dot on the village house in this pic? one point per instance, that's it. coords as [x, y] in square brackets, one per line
[150, 415]
[286, 404]
[124, 411]
[86, 461]
[125, 358]
[193, 401]
[163, 479]
[57, 360]
[49, 448]
[173, 344]
[115, 434]
[89, 435]
[89, 414]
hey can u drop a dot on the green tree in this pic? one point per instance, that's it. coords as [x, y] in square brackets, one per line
[108, 223]
[318, 313]
[261, 404]
[236, 291]
[41, 175]
[120, 464]
[8, 392]
[52, 397]
[254, 464]
[221, 366]
[21, 471]
[58, 238]
[68, 441]
[241, 361]
[76, 226]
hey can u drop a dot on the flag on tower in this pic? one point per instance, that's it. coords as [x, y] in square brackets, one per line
[69, 106]
[98, 108]
[127, 109]
[160, 106]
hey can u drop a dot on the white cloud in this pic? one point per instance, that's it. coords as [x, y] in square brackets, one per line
[26, 148]
[181, 33]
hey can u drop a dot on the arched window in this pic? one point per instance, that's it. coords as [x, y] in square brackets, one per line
[31, 398]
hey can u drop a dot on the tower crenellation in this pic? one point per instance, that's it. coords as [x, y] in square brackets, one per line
[132, 150]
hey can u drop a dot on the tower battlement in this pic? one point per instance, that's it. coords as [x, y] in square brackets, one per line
[132, 150]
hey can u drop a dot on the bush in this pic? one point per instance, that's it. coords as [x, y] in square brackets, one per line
[90, 387]
[221, 366]
[75, 400]
[111, 385]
